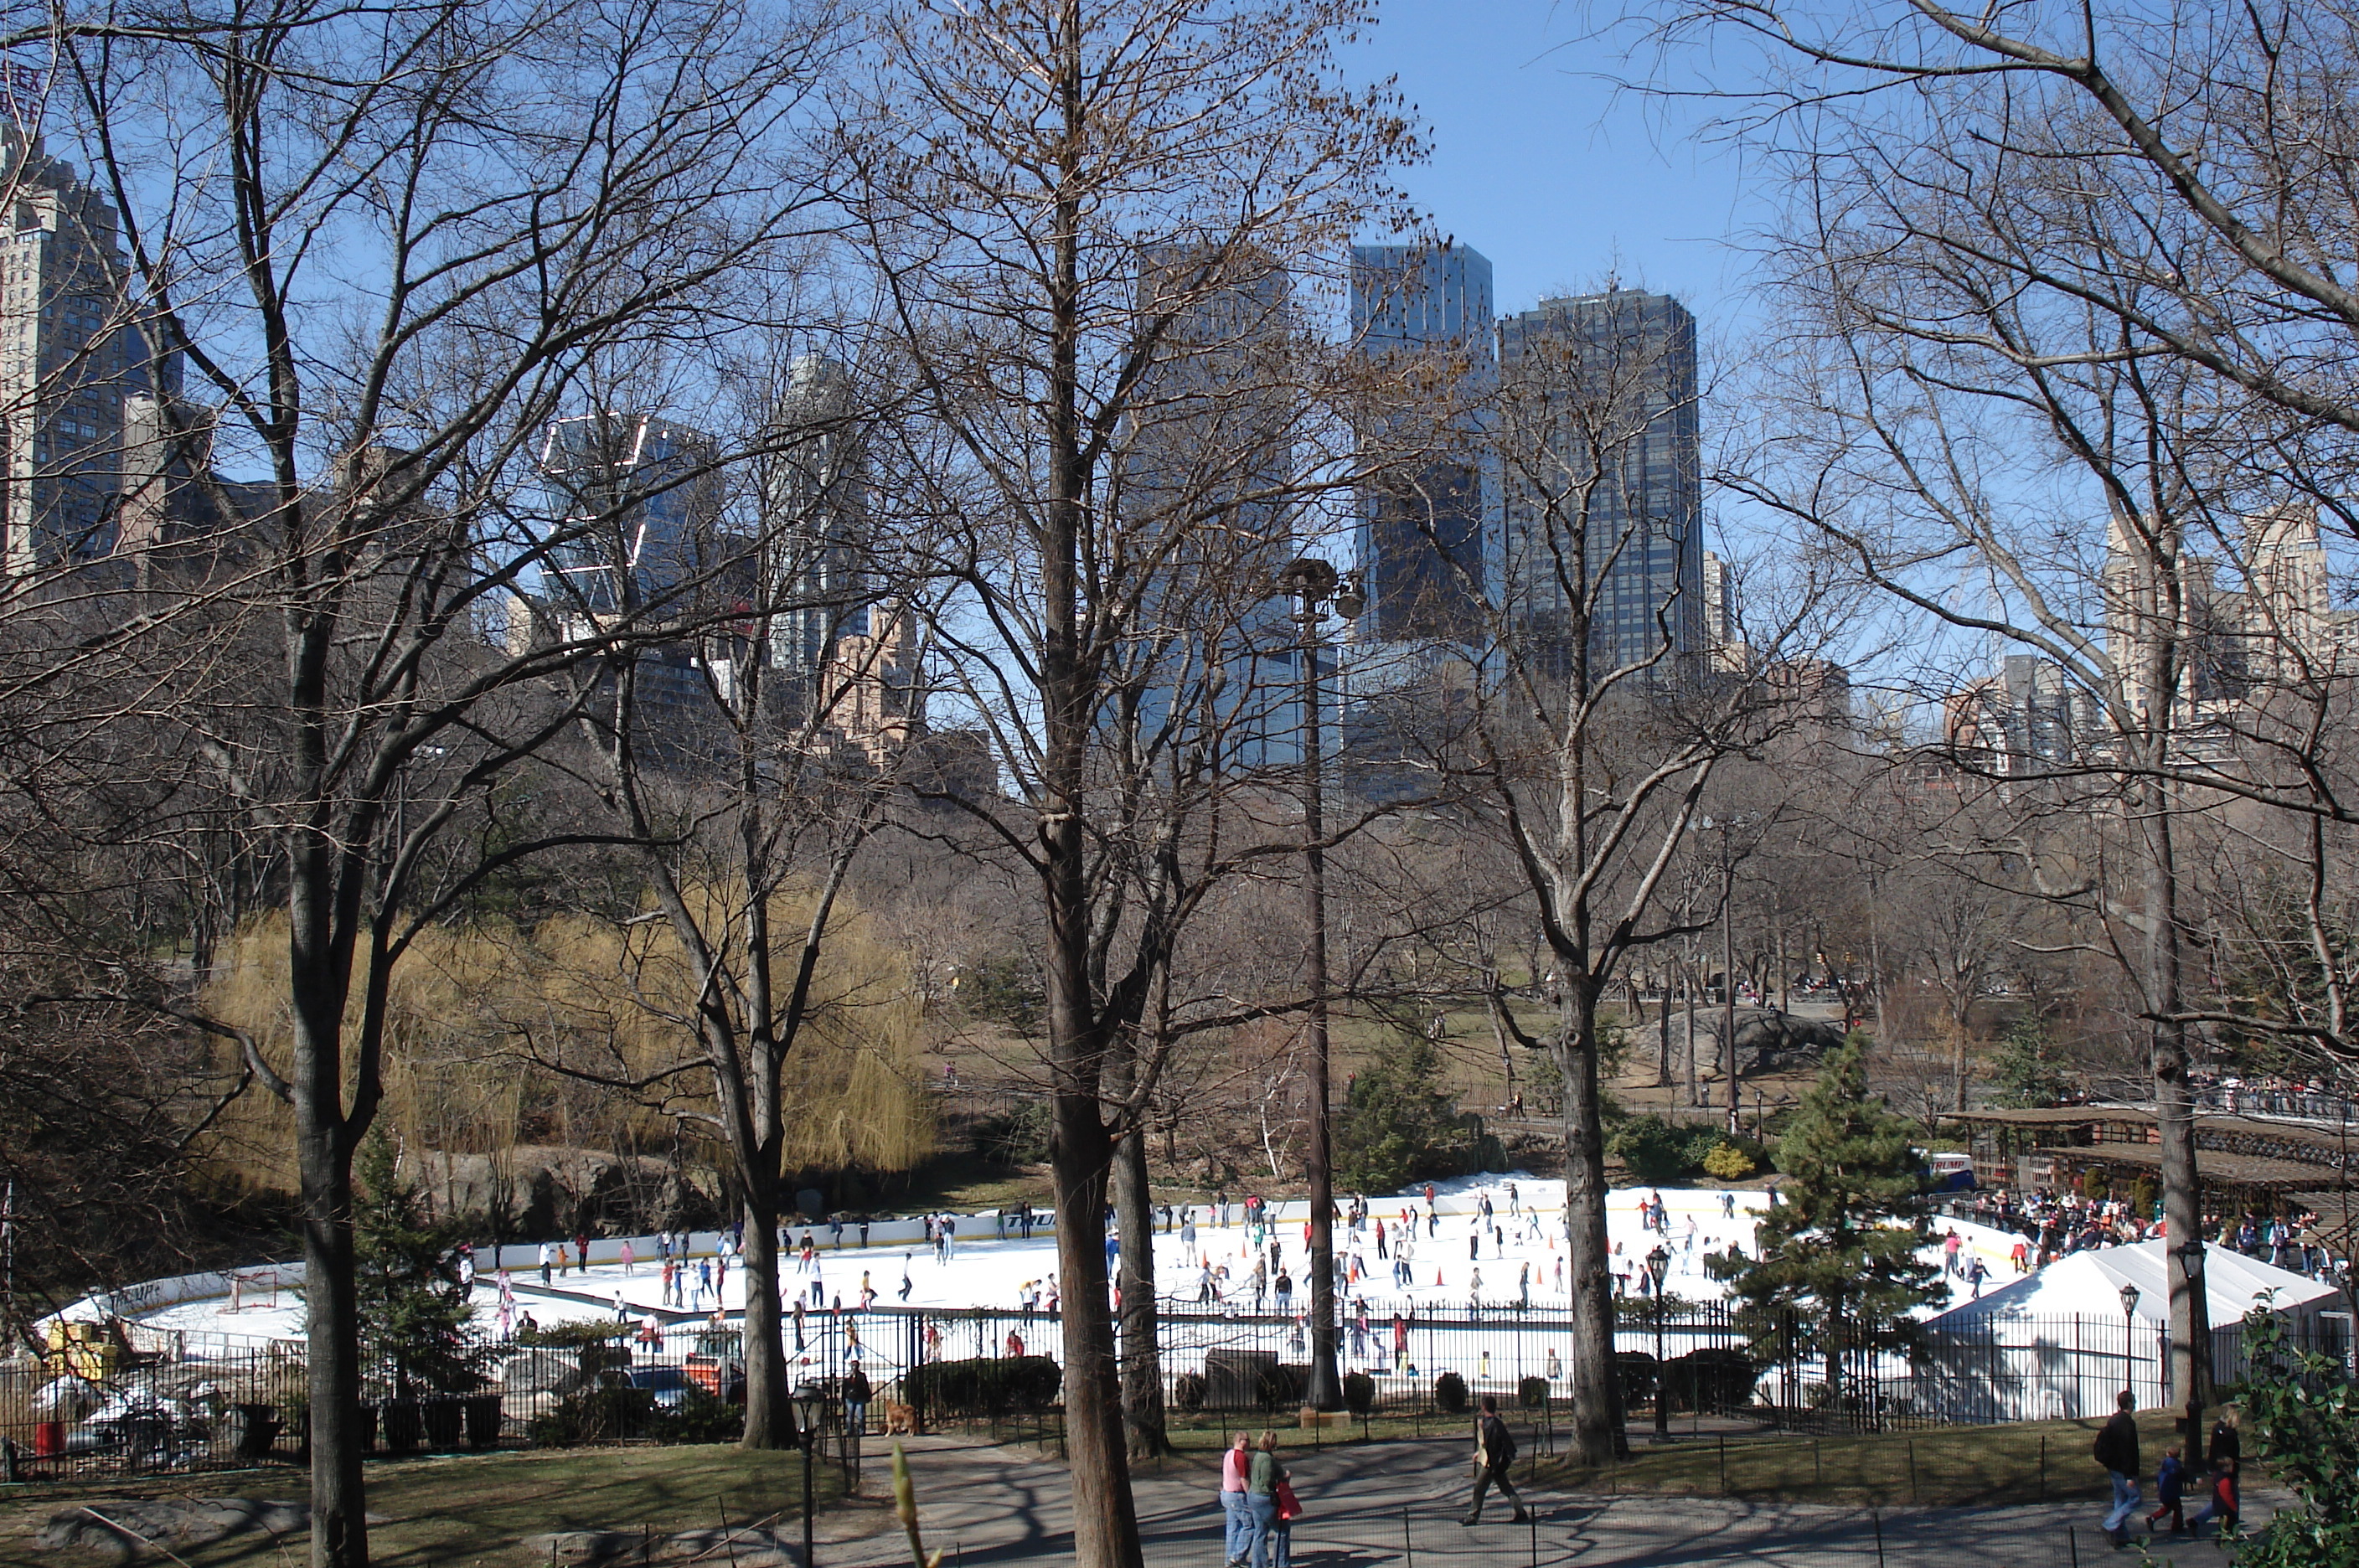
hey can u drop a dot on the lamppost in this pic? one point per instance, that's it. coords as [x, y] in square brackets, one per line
[1316, 587]
[810, 1405]
[2191, 1254]
[1659, 1262]
[2130, 1294]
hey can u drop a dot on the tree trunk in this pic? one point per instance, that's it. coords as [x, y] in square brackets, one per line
[1688, 1002]
[1142, 1359]
[339, 1516]
[769, 1411]
[2174, 1107]
[1663, 1056]
[1597, 1433]
[1105, 1516]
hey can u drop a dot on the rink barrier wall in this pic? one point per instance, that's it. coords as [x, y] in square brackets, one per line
[148, 1295]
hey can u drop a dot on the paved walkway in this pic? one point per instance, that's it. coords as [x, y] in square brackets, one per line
[1377, 1504]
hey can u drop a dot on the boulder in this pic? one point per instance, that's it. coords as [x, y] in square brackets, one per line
[133, 1527]
[1780, 1041]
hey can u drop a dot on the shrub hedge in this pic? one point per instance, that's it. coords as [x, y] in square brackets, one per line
[997, 1384]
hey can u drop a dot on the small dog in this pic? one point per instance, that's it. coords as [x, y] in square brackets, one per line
[900, 1419]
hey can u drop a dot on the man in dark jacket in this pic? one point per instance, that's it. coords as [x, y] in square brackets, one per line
[1494, 1451]
[2118, 1451]
[856, 1395]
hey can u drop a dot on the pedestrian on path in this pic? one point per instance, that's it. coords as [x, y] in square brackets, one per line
[2227, 1449]
[2223, 1505]
[2118, 1450]
[1263, 1479]
[1494, 1451]
[1236, 1524]
[856, 1394]
[2169, 1490]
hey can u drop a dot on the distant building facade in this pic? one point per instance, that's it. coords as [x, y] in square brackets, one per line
[1207, 460]
[816, 497]
[1601, 457]
[633, 509]
[71, 354]
[1424, 313]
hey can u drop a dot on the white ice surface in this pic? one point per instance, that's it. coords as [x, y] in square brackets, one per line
[990, 1273]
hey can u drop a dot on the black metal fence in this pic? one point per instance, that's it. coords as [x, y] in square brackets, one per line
[139, 1399]
[1692, 1358]
[143, 1399]
[1592, 1537]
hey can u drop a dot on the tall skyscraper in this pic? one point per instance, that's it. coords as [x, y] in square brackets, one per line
[1424, 313]
[1204, 496]
[1601, 478]
[69, 353]
[635, 496]
[817, 494]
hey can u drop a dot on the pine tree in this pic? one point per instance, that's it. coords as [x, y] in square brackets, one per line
[1395, 1126]
[413, 1310]
[2025, 1068]
[1839, 1267]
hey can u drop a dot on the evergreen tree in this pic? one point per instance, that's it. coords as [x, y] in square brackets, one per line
[2025, 1067]
[1838, 1269]
[1396, 1127]
[413, 1310]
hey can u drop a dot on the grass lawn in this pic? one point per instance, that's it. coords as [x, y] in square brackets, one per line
[472, 1509]
[2017, 1464]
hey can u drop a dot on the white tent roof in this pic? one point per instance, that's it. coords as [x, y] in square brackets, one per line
[2089, 1284]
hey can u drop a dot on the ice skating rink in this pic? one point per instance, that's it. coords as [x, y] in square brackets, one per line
[1458, 1260]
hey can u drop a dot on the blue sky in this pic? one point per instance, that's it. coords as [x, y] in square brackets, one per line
[1540, 166]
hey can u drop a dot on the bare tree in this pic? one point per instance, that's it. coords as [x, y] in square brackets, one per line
[1604, 716]
[1088, 216]
[747, 765]
[510, 189]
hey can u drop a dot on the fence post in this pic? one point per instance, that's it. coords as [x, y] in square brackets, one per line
[2072, 1543]
[1912, 1470]
[1875, 1518]
[2043, 1469]
[1818, 1476]
[1408, 1541]
[1724, 1464]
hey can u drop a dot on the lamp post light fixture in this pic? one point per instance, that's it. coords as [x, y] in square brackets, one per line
[1316, 588]
[2191, 1254]
[810, 1407]
[2130, 1294]
[1658, 1263]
